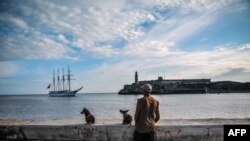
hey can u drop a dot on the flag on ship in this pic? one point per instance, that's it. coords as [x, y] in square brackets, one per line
[49, 86]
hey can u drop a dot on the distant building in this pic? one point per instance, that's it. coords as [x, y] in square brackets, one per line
[186, 86]
[161, 86]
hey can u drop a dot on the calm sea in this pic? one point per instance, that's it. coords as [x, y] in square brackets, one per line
[107, 106]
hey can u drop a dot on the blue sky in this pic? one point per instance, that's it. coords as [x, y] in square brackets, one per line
[105, 42]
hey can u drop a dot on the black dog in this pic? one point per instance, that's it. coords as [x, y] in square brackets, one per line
[127, 119]
[90, 119]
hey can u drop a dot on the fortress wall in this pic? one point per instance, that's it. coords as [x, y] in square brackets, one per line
[109, 132]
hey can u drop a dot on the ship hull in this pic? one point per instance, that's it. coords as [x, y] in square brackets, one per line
[62, 93]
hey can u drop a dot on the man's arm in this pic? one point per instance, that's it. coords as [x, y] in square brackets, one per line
[157, 112]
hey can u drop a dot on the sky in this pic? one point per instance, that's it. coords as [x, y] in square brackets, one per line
[105, 41]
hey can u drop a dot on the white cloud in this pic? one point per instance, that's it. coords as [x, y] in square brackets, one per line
[16, 21]
[149, 49]
[62, 38]
[22, 24]
[103, 51]
[245, 47]
[188, 27]
[34, 47]
[190, 5]
[8, 69]
[91, 22]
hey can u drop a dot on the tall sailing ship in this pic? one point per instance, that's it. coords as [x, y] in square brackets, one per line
[63, 86]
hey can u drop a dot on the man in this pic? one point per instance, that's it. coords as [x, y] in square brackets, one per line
[146, 115]
[127, 119]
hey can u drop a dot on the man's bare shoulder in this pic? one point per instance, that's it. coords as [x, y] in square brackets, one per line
[152, 97]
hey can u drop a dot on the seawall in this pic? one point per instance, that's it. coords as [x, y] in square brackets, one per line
[109, 132]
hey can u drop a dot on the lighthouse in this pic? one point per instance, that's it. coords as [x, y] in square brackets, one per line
[136, 77]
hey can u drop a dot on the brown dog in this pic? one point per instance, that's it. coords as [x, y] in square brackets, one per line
[127, 119]
[90, 119]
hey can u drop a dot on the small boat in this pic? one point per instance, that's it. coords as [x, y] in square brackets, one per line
[63, 87]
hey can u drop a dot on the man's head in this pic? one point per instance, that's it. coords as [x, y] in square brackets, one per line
[147, 88]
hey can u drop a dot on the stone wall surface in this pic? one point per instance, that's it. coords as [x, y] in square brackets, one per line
[109, 132]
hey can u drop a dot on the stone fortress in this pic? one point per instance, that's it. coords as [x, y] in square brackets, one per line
[186, 86]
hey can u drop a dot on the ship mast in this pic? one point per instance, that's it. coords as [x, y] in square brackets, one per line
[58, 81]
[63, 79]
[54, 80]
[69, 77]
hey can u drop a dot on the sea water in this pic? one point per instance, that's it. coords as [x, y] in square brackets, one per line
[107, 106]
